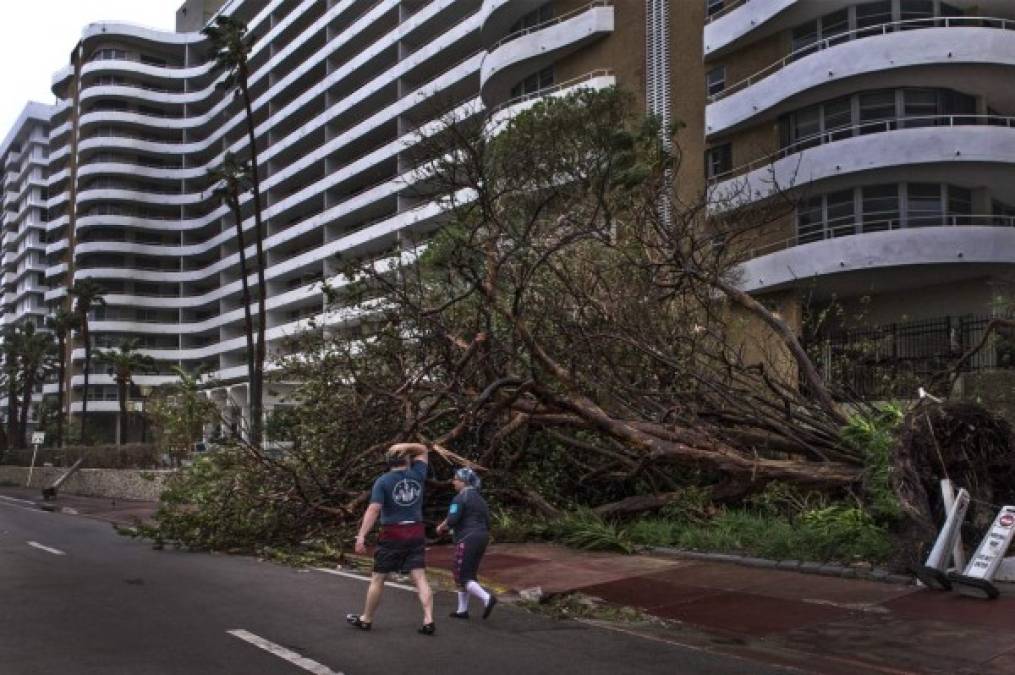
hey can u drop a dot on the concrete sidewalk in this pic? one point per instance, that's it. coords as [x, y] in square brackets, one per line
[814, 623]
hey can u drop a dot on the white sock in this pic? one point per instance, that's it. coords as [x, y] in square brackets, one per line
[477, 590]
[463, 602]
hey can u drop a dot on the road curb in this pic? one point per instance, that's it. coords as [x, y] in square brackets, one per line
[866, 572]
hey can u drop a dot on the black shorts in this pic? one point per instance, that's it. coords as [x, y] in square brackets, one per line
[468, 554]
[400, 556]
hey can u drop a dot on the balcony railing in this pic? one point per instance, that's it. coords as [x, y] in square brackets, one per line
[551, 22]
[727, 8]
[863, 129]
[547, 91]
[883, 222]
[866, 31]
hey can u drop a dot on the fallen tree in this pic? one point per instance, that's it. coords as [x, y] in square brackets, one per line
[574, 329]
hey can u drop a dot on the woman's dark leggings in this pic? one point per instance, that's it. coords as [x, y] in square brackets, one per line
[468, 554]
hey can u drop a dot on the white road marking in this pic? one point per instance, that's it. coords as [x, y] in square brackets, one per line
[281, 652]
[33, 508]
[15, 499]
[350, 575]
[47, 549]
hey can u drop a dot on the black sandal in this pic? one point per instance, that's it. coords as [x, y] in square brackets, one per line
[489, 606]
[356, 621]
[459, 615]
[427, 629]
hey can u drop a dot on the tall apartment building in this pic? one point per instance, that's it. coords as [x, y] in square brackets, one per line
[24, 156]
[890, 124]
[880, 129]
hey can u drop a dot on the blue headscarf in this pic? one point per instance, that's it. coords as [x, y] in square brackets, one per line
[469, 477]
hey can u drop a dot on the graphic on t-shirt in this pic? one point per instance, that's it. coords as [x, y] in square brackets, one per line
[406, 492]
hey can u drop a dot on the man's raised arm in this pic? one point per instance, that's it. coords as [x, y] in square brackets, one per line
[416, 452]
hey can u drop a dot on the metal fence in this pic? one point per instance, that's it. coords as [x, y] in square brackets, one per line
[892, 360]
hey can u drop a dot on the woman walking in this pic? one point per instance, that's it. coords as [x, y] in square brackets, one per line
[469, 518]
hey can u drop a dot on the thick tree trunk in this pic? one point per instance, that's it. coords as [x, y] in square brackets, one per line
[122, 422]
[12, 409]
[59, 393]
[88, 366]
[815, 384]
[257, 384]
[248, 322]
[26, 406]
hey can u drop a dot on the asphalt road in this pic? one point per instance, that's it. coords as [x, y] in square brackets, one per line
[78, 598]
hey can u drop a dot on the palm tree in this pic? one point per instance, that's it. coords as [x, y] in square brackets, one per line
[11, 369]
[61, 323]
[228, 39]
[36, 356]
[124, 362]
[230, 179]
[87, 295]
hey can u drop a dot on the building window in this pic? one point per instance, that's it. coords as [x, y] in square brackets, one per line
[960, 205]
[713, 7]
[924, 205]
[109, 55]
[719, 160]
[914, 10]
[715, 80]
[534, 83]
[538, 16]
[810, 220]
[873, 112]
[880, 207]
[887, 207]
[872, 15]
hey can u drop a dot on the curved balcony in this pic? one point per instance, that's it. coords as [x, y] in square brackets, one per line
[499, 15]
[500, 115]
[534, 48]
[943, 42]
[740, 17]
[979, 144]
[966, 250]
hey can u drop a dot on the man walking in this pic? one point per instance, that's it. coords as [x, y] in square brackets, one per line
[397, 500]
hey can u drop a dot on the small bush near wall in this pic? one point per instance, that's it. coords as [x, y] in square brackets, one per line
[128, 456]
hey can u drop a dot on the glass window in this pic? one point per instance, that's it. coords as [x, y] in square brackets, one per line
[949, 10]
[960, 205]
[805, 127]
[921, 12]
[839, 116]
[876, 106]
[872, 15]
[841, 213]
[923, 204]
[715, 80]
[719, 160]
[810, 220]
[835, 26]
[804, 36]
[920, 106]
[534, 18]
[1003, 213]
[880, 207]
[713, 7]
[533, 83]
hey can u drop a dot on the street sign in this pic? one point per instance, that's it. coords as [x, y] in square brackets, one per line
[976, 580]
[38, 437]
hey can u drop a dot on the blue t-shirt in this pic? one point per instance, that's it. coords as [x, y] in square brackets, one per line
[400, 494]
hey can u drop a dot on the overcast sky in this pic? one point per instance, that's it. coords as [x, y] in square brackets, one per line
[36, 38]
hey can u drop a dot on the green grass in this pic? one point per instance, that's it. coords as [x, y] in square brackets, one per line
[832, 533]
